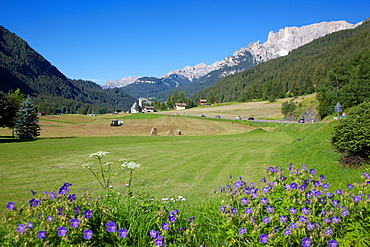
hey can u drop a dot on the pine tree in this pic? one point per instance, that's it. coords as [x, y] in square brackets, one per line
[26, 125]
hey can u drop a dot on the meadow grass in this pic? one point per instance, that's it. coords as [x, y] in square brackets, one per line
[190, 166]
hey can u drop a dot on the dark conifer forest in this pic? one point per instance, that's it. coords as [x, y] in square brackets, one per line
[22, 67]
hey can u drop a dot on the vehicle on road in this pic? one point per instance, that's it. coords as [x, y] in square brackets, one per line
[251, 118]
[301, 120]
[202, 115]
[238, 118]
[217, 116]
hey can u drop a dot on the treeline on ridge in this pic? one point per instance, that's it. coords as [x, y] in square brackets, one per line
[22, 67]
[305, 70]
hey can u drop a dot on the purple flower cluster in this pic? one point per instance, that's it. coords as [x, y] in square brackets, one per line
[62, 214]
[308, 206]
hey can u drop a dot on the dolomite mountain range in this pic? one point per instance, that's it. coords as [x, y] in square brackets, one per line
[278, 44]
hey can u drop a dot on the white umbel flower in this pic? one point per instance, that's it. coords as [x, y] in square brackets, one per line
[99, 154]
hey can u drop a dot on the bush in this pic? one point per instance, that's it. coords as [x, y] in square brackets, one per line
[351, 135]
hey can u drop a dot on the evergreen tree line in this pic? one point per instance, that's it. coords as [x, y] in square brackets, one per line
[305, 70]
[172, 100]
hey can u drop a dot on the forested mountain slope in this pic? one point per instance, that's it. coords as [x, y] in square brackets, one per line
[22, 67]
[303, 71]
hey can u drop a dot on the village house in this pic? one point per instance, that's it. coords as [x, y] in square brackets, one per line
[202, 102]
[180, 106]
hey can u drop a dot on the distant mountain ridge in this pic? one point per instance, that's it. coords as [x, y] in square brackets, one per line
[278, 44]
[22, 67]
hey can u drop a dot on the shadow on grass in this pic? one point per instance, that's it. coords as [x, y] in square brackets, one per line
[8, 139]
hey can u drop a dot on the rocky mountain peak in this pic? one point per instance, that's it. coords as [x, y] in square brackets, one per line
[278, 44]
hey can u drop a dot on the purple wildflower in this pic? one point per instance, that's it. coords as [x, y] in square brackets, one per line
[293, 186]
[159, 241]
[306, 242]
[263, 238]
[312, 171]
[293, 226]
[153, 234]
[88, 214]
[338, 191]
[263, 180]
[244, 201]
[283, 218]
[49, 218]
[263, 201]
[269, 209]
[72, 197]
[171, 219]
[316, 183]
[328, 231]
[191, 219]
[111, 226]
[303, 187]
[344, 212]
[242, 231]
[165, 226]
[286, 232]
[62, 231]
[41, 234]
[10, 205]
[332, 243]
[265, 190]
[292, 210]
[29, 224]
[20, 228]
[322, 178]
[349, 186]
[87, 234]
[122, 233]
[326, 186]
[33, 202]
[266, 220]
[305, 210]
[302, 219]
[335, 220]
[222, 209]
[74, 223]
[310, 226]
[248, 210]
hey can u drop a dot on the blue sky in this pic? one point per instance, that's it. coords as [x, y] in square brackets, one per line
[109, 40]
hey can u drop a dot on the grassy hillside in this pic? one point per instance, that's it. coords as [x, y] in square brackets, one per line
[22, 67]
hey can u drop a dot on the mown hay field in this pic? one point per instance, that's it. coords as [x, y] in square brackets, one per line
[192, 165]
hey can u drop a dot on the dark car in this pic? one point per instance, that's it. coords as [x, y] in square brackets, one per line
[217, 116]
[301, 120]
[251, 118]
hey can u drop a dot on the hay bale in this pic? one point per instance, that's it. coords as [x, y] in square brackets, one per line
[178, 132]
[154, 132]
[170, 133]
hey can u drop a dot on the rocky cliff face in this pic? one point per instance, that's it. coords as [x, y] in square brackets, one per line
[277, 44]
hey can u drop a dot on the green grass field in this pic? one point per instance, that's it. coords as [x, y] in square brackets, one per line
[192, 165]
